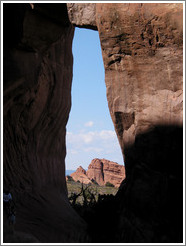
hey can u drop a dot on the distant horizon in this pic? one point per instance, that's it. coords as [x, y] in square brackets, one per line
[90, 130]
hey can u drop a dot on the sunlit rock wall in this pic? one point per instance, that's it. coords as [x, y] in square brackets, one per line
[142, 48]
[142, 53]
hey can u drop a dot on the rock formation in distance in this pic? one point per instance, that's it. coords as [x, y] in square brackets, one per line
[80, 175]
[101, 171]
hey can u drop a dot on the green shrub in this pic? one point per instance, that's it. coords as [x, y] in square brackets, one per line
[94, 182]
[108, 184]
[69, 178]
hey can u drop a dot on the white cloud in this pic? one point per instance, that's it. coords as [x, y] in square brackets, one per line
[89, 124]
[73, 152]
[90, 137]
[83, 146]
[93, 149]
[106, 134]
[87, 138]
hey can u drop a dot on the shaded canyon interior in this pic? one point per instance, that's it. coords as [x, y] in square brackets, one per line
[142, 49]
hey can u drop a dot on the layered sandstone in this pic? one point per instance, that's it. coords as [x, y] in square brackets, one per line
[142, 53]
[101, 171]
[95, 171]
[142, 48]
[80, 175]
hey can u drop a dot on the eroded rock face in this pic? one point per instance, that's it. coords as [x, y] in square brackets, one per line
[103, 171]
[95, 171]
[142, 48]
[80, 175]
[142, 53]
[82, 15]
[37, 100]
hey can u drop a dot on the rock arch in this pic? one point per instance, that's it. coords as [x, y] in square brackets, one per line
[142, 52]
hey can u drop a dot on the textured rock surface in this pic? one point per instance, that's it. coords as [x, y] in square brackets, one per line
[37, 100]
[113, 172]
[95, 171]
[82, 15]
[103, 171]
[80, 175]
[142, 53]
[142, 48]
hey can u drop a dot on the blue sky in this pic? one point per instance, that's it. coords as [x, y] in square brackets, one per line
[90, 131]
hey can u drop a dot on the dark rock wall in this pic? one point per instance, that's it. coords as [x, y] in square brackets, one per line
[37, 89]
[37, 99]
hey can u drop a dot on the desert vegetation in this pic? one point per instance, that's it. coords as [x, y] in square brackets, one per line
[95, 203]
[79, 193]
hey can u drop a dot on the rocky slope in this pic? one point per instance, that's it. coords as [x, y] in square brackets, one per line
[142, 47]
[101, 171]
[80, 175]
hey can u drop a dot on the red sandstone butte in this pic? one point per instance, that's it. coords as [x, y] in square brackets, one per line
[102, 171]
[80, 175]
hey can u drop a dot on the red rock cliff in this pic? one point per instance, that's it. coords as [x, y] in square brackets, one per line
[80, 175]
[142, 48]
[103, 171]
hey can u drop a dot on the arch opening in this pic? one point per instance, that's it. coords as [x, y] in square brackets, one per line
[91, 141]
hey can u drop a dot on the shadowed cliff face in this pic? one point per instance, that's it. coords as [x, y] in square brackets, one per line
[142, 54]
[151, 198]
[37, 100]
[37, 85]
